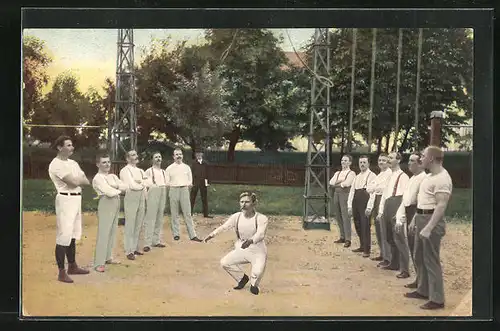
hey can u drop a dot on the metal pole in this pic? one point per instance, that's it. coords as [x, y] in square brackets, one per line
[400, 51]
[353, 73]
[417, 97]
[372, 87]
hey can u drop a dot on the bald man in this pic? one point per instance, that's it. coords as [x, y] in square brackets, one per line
[429, 227]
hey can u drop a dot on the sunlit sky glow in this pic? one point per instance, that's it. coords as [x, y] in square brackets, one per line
[90, 54]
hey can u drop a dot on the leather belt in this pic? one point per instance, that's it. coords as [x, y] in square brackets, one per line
[69, 193]
[425, 211]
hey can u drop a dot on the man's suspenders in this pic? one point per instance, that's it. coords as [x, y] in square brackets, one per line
[237, 222]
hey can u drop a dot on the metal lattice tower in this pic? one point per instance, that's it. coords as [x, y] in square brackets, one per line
[124, 128]
[317, 188]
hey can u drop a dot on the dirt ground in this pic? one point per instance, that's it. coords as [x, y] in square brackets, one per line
[306, 275]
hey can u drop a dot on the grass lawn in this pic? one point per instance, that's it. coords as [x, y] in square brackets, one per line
[38, 195]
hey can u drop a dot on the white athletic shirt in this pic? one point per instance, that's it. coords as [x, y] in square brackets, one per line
[58, 169]
[246, 226]
[432, 184]
[156, 176]
[179, 175]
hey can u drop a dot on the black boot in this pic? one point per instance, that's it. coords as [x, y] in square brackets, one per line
[254, 289]
[244, 280]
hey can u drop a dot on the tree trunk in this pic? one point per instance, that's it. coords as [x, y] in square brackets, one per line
[379, 145]
[387, 138]
[233, 140]
[402, 147]
[193, 148]
[342, 142]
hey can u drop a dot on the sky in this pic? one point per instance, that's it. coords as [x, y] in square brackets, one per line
[91, 53]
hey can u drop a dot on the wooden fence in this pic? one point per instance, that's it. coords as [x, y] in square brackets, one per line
[247, 174]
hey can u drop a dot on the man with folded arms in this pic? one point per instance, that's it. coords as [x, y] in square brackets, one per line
[108, 188]
[404, 238]
[67, 177]
[134, 203]
[155, 209]
[341, 182]
[389, 204]
[429, 227]
[375, 188]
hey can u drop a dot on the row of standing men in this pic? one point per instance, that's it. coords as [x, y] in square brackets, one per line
[408, 213]
[145, 194]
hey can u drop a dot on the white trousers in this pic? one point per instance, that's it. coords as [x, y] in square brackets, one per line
[68, 218]
[255, 254]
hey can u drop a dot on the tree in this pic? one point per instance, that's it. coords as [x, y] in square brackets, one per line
[250, 63]
[180, 96]
[35, 62]
[446, 82]
[63, 105]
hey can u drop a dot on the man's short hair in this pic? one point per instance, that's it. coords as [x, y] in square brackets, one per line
[347, 156]
[418, 155]
[177, 149]
[59, 142]
[252, 196]
[156, 152]
[100, 156]
[364, 156]
[384, 154]
[436, 152]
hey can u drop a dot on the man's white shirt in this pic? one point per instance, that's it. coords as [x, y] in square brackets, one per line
[360, 181]
[58, 169]
[347, 176]
[179, 174]
[129, 174]
[377, 186]
[409, 196]
[399, 180]
[156, 176]
[108, 185]
[246, 226]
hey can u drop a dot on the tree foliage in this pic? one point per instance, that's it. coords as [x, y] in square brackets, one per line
[35, 63]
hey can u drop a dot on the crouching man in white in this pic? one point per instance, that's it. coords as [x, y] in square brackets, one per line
[250, 227]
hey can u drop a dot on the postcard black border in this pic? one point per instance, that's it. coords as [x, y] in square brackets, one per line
[480, 20]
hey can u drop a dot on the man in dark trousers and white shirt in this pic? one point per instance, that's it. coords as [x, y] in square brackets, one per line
[341, 182]
[389, 204]
[250, 227]
[180, 181]
[376, 188]
[67, 177]
[356, 205]
[200, 182]
[405, 238]
[429, 227]
[134, 203]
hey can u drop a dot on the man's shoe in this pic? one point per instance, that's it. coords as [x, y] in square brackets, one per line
[378, 258]
[241, 284]
[146, 249]
[208, 216]
[415, 295]
[63, 277]
[254, 289]
[339, 241]
[432, 305]
[357, 250]
[391, 267]
[347, 244]
[131, 256]
[177, 238]
[73, 269]
[412, 285]
[196, 239]
[366, 254]
[403, 275]
[159, 245]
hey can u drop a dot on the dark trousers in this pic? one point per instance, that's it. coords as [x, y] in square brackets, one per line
[390, 208]
[361, 221]
[410, 213]
[204, 200]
